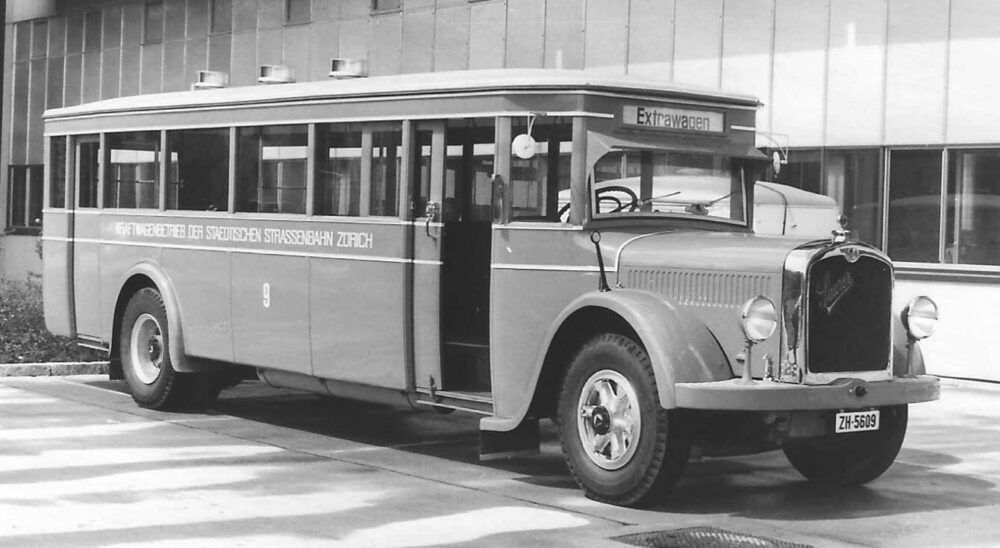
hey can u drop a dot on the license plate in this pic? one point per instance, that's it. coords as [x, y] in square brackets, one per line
[857, 421]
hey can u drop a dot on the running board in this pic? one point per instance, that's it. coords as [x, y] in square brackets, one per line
[474, 402]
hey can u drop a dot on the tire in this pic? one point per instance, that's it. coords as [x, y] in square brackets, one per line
[637, 460]
[143, 343]
[852, 459]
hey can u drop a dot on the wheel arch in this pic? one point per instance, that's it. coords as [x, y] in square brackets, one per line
[680, 347]
[143, 275]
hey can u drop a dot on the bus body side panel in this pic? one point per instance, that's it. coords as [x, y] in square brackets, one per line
[201, 282]
[357, 313]
[535, 275]
[57, 273]
[87, 292]
[271, 311]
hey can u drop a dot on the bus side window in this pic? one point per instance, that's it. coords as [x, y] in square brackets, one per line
[468, 189]
[88, 163]
[387, 157]
[132, 178]
[271, 169]
[539, 186]
[198, 169]
[338, 170]
[57, 176]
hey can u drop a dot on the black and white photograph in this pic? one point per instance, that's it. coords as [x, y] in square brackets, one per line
[500, 273]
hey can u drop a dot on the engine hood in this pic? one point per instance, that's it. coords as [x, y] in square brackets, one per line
[715, 251]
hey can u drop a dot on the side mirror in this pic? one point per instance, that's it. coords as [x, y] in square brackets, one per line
[499, 198]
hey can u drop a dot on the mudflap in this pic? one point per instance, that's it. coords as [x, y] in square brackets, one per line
[520, 441]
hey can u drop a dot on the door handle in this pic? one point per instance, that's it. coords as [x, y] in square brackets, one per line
[432, 213]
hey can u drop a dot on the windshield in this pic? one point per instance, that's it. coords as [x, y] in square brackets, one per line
[641, 183]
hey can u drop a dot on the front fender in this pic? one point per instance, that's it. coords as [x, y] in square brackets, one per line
[175, 329]
[680, 348]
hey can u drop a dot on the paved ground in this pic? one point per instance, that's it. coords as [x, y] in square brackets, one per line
[81, 465]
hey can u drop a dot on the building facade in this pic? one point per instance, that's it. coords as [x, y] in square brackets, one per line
[885, 105]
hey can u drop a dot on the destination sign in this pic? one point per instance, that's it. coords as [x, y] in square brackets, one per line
[673, 119]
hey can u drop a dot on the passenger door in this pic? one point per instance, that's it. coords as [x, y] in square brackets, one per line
[87, 233]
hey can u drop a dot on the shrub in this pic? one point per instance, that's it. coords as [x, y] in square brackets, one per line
[23, 337]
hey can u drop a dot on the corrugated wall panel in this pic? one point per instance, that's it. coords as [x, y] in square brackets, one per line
[748, 28]
[112, 27]
[220, 49]
[91, 76]
[916, 67]
[243, 68]
[606, 42]
[451, 38]
[418, 40]
[698, 43]
[295, 51]
[173, 20]
[564, 34]
[131, 69]
[325, 10]
[973, 79]
[525, 33]
[323, 45]
[651, 38]
[197, 18]
[174, 78]
[57, 36]
[855, 81]
[36, 106]
[385, 55]
[270, 14]
[354, 9]
[800, 40]
[111, 71]
[195, 59]
[268, 50]
[354, 38]
[54, 95]
[152, 68]
[132, 24]
[244, 15]
[19, 113]
[487, 39]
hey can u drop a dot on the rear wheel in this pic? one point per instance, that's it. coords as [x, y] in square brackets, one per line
[852, 459]
[620, 445]
[145, 356]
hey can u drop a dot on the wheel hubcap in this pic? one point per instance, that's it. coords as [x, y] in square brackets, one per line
[146, 348]
[609, 420]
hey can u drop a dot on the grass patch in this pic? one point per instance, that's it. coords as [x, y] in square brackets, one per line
[23, 337]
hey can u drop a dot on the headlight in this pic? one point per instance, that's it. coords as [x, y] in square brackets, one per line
[759, 319]
[919, 318]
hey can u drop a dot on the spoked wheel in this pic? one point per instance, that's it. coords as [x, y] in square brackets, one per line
[852, 459]
[620, 445]
[145, 356]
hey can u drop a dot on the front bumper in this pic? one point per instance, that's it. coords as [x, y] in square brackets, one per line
[847, 393]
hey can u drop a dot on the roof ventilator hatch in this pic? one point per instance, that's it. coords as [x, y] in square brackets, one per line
[275, 74]
[342, 69]
[211, 79]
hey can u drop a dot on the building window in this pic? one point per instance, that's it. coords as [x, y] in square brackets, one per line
[24, 210]
[298, 11]
[132, 180]
[387, 5]
[972, 207]
[92, 31]
[153, 25]
[39, 39]
[804, 170]
[271, 169]
[338, 170]
[222, 16]
[854, 179]
[914, 205]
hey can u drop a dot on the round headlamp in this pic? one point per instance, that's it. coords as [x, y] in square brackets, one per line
[758, 319]
[919, 318]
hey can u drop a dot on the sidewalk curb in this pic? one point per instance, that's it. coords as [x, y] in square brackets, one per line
[52, 369]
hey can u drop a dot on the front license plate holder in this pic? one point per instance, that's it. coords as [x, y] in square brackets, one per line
[856, 421]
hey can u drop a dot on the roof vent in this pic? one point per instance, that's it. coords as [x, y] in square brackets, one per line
[211, 79]
[341, 68]
[275, 74]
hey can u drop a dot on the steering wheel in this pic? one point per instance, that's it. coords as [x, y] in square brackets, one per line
[603, 195]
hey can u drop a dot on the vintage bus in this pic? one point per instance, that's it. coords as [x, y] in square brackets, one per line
[402, 239]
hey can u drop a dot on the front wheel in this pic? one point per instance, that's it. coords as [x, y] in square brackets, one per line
[143, 343]
[852, 459]
[620, 445]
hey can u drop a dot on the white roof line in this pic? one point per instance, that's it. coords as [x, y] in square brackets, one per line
[414, 85]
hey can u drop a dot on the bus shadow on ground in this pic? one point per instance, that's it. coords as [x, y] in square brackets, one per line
[762, 486]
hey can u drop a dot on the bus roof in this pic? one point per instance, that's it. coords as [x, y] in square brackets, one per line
[409, 85]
